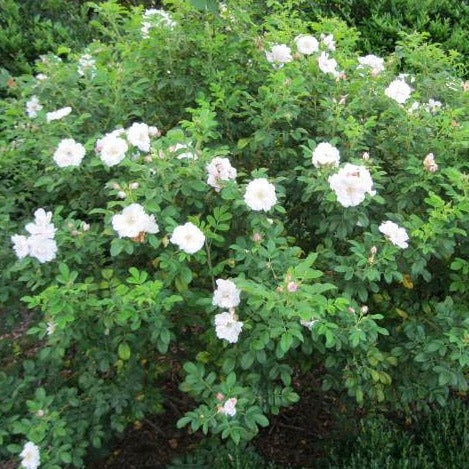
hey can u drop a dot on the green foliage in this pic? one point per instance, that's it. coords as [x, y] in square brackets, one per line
[382, 22]
[117, 312]
[439, 439]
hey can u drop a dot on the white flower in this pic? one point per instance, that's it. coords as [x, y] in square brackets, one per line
[433, 106]
[132, 221]
[41, 76]
[306, 44]
[429, 163]
[112, 149]
[190, 155]
[69, 153]
[398, 90]
[260, 195]
[51, 326]
[328, 41]
[58, 114]
[20, 245]
[351, 184]
[327, 65]
[138, 135]
[30, 458]
[153, 17]
[220, 169]
[308, 324]
[43, 249]
[374, 62]
[227, 295]
[42, 225]
[87, 65]
[325, 154]
[33, 107]
[415, 105]
[398, 236]
[153, 131]
[228, 327]
[188, 237]
[229, 408]
[279, 55]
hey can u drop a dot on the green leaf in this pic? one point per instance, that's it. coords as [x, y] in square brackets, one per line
[124, 351]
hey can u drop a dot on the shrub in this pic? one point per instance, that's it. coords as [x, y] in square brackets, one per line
[382, 22]
[122, 269]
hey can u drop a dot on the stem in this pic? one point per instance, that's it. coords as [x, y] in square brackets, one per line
[209, 262]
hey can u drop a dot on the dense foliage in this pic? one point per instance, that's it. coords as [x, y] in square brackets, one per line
[289, 206]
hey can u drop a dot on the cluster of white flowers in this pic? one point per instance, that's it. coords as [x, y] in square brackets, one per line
[430, 164]
[398, 90]
[30, 457]
[33, 106]
[154, 18]
[87, 66]
[112, 148]
[58, 114]
[306, 44]
[229, 407]
[188, 237]
[351, 184]
[133, 221]
[375, 63]
[218, 170]
[40, 244]
[183, 151]
[325, 154]
[279, 55]
[69, 153]
[397, 235]
[227, 296]
[260, 195]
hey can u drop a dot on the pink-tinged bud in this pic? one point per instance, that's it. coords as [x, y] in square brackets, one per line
[121, 195]
[430, 164]
[257, 237]
[148, 159]
[279, 289]
[351, 310]
[98, 147]
[364, 309]
[292, 287]
[366, 156]
[342, 76]
[220, 397]
[116, 186]
[85, 226]
[133, 185]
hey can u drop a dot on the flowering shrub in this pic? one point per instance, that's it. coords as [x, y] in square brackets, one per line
[237, 198]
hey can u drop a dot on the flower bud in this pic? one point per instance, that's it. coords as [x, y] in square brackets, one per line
[366, 156]
[153, 131]
[292, 287]
[430, 164]
[364, 309]
[350, 310]
[257, 237]
[220, 397]
[133, 185]
[116, 186]
[85, 226]
[373, 250]
[121, 195]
